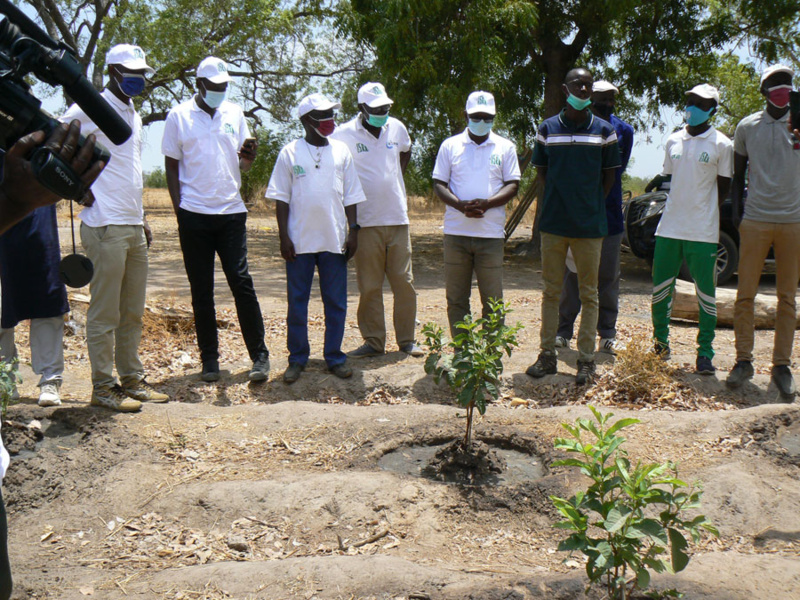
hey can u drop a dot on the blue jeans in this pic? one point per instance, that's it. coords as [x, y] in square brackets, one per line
[333, 286]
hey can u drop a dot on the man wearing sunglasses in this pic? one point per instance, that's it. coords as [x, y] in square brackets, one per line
[576, 157]
[476, 174]
[381, 149]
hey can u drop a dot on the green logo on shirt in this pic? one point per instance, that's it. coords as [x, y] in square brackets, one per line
[229, 128]
[298, 170]
[361, 148]
[496, 160]
[704, 157]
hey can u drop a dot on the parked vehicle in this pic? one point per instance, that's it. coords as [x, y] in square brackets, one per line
[642, 215]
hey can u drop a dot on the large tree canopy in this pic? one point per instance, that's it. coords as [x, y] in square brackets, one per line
[280, 48]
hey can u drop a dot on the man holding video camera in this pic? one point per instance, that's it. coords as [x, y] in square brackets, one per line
[115, 236]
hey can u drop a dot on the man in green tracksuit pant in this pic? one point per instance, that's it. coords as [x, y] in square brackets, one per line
[699, 160]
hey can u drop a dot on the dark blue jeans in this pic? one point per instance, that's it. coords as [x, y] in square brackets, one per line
[203, 236]
[333, 286]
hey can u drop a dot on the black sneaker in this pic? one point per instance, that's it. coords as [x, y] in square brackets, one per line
[783, 380]
[585, 372]
[703, 366]
[741, 372]
[292, 372]
[342, 371]
[546, 364]
[662, 351]
[260, 370]
[210, 370]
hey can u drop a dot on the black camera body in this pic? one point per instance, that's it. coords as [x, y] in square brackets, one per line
[26, 49]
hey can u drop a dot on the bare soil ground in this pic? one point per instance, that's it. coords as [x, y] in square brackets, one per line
[234, 490]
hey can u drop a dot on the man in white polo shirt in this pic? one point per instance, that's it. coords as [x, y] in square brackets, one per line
[699, 161]
[381, 149]
[115, 235]
[316, 189]
[476, 174]
[206, 144]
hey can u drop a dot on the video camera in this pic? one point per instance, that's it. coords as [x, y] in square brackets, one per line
[26, 49]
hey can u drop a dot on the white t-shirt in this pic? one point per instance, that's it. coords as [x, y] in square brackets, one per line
[316, 196]
[208, 150]
[118, 189]
[377, 161]
[473, 172]
[692, 209]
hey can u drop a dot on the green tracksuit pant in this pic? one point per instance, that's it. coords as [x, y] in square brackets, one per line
[702, 260]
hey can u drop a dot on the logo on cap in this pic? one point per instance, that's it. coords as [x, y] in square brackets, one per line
[481, 100]
[221, 67]
[377, 91]
[137, 53]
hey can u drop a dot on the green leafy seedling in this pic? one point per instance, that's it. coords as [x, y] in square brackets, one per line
[473, 368]
[9, 378]
[631, 519]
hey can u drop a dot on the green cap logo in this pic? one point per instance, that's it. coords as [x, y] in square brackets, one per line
[137, 53]
[481, 100]
[221, 67]
[377, 91]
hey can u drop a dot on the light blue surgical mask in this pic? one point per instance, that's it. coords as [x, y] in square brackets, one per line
[376, 120]
[479, 127]
[578, 103]
[214, 99]
[694, 116]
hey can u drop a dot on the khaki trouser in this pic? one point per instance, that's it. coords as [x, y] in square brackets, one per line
[464, 255]
[755, 241]
[385, 251]
[114, 319]
[586, 252]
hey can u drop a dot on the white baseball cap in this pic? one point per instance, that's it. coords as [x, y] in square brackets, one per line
[773, 69]
[705, 90]
[316, 102]
[214, 69]
[373, 94]
[480, 102]
[129, 56]
[604, 86]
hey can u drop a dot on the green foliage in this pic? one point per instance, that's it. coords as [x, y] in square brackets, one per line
[473, 369]
[156, 178]
[9, 378]
[255, 181]
[631, 518]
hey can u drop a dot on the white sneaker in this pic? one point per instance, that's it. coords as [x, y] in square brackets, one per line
[610, 346]
[562, 342]
[48, 394]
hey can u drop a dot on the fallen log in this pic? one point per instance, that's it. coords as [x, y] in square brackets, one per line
[684, 306]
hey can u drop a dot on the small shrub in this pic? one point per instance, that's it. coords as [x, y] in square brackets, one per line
[157, 178]
[473, 369]
[631, 518]
[9, 378]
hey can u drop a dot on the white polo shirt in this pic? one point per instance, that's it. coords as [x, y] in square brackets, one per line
[118, 189]
[208, 151]
[692, 209]
[377, 161]
[473, 172]
[316, 196]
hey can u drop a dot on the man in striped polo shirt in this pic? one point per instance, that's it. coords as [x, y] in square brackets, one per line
[576, 156]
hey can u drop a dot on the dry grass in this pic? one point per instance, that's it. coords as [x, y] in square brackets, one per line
[639, 373]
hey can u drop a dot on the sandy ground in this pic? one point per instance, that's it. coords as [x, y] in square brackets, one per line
[271, 491]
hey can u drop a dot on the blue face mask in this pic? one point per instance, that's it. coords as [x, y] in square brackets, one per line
[214, 99]
[694, 116]
[480, 128]
[577, 103]
[131, 85]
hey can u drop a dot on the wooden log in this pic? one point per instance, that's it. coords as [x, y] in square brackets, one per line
[684, 306]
